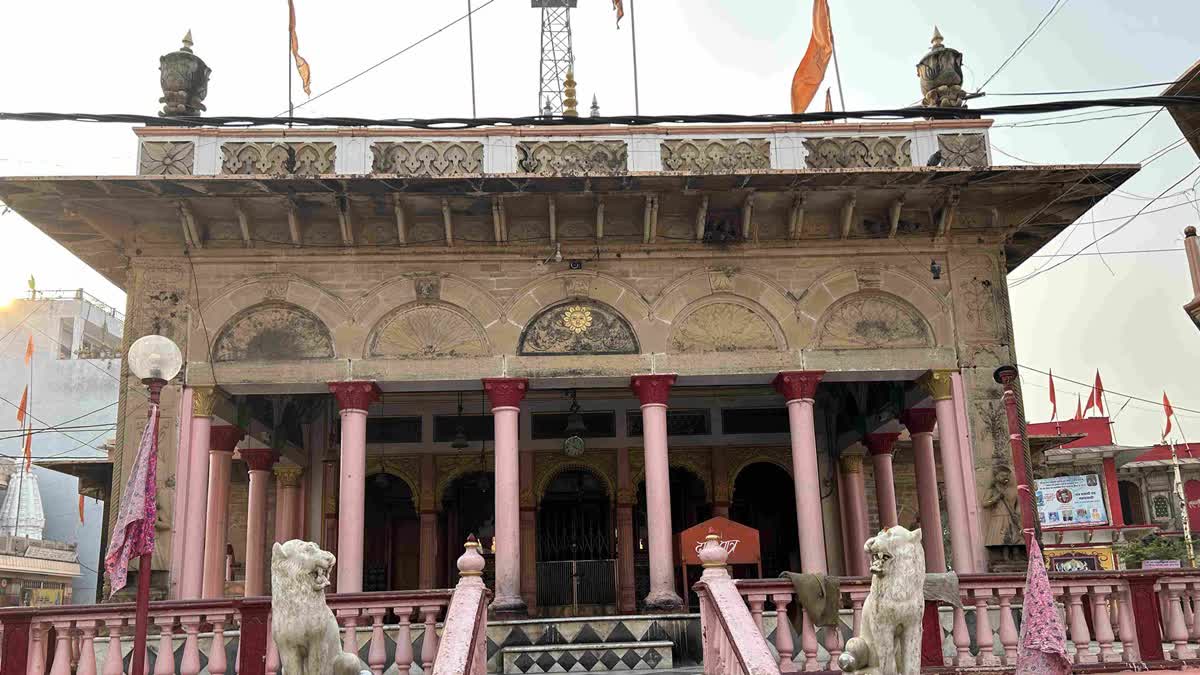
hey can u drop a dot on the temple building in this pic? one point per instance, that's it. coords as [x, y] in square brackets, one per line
[575, 341]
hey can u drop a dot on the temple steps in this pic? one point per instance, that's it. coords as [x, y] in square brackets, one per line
[662, 642]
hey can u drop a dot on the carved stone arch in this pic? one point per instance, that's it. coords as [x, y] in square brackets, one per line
[273, 331]
[578, 327]
[758, 458]
[556, 289]
[407, 469]
[703, 474]
[553, 468]
[426, 330]
[688, 292]
[873, 320]
[240, 296]
[447, 290]
[452, 467]
[725, 323]
[835, 285]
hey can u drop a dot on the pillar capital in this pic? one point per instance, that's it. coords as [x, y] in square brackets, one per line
[919, 420]
[938, 384]
[203, 400]
[851, 463]
[798, 384]
[881, 443]
[224, 438]
[288, 475]
[652, 389]
[505, 392]
[259, 459]
[354, 395]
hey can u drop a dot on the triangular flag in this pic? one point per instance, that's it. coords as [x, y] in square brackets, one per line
[1091, 402]
[21, 407]
[1099, 389]
[81, 509]
[29, 350]
[301, 64]
[1168, 410]
[1053, 400]
[28, 450]
[619, 7]
[811, 70]
[1078, 408]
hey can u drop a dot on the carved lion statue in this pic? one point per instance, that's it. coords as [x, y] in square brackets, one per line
[303, 626]
[890, 633]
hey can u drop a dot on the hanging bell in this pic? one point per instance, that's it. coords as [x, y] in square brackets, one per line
[460, 438]
[575, 425]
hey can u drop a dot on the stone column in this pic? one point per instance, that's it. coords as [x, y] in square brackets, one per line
[287, 502]
[353, 399]
[427, 573]
[626, 538]
[721, 484]
[260, 461]
[179, 503]
[919, 422]
[938, 384]
[222, 441]
[191, 582]
[528, 533]
[880, 446]
[855, 516]
[799, 388]
[653, 391]
[505, 394]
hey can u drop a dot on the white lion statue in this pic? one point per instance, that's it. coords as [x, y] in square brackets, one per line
[890, 633]
[303, 626]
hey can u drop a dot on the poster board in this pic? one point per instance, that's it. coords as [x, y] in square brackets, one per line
[740, 541]
[1080, 559]
[1070, 501]
[44, 597]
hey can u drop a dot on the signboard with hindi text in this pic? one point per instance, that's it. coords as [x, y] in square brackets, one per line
[1070, 501]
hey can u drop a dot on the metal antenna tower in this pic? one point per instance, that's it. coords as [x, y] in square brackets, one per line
[557, 54]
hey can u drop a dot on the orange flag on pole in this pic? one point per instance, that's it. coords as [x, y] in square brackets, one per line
[28, 450]
[1098, 388]
[1078, 408]
[811, 71]
[29, 350]
[21, 406]
[1091, 402]
[301, 64]
[81, 509]
[1168, 410]
[619, 7]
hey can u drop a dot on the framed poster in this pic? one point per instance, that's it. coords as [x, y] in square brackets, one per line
[1079, 559]
[1070, 501]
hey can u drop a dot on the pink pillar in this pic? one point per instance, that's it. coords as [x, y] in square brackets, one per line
[528, 534]
[626, 540]
[191, 581]
[799, 388]
[287, 502]
[260, 461]
[881, 446]
[179, 507]
[919, 422]
[653, 391]
[222, 441]
[505, 394]
[966, 449]
[855, 514]
[427, 572]
[353, 399]
[938, 384]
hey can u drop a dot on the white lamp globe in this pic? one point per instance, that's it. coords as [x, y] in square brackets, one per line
[154, 357]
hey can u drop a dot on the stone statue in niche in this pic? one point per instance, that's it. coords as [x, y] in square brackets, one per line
[1003, 526]
[303, 626]
[889, 639]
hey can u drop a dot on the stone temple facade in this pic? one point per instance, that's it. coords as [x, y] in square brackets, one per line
[573, 341]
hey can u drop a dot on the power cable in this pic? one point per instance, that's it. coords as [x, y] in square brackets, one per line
[1020, 47]
[1083, 91]
[1109, 390]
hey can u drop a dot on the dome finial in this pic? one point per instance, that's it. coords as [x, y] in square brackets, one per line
[569, 101]
[187, 42]
[937, 39]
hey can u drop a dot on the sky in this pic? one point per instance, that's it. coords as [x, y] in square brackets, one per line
[1119, 313]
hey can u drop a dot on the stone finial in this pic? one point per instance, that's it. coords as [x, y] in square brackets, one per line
[940, 72]
[712, 553]
[184, 80]
[569, 101]
[471, 562]
[595, 107]
[547, 109]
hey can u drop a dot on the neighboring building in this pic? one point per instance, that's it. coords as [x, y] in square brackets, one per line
[75, 375]
[429, 333]
[33, 570]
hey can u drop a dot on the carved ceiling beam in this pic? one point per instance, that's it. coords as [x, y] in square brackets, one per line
[599, 217]
[701, 217]
[187, 220]
[796, 216]
[293, 218]
[243, 223]
[552, 212]
[345, 222]
[447, 222]
[894, 216]
[499, 220]
[650, 219]
[848, 215]
[946, 218]
[747, 215]
[401, 220]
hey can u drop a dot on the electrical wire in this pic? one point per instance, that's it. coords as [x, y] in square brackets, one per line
[1083, 91]
[1058, 4]
[1108, 390]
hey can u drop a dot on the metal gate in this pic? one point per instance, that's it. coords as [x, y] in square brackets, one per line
[572, 583]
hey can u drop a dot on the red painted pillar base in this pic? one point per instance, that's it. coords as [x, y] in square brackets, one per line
[931, 637]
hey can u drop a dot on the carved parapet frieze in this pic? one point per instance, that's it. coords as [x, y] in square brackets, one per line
[857, 152]
[278, 159]
[436, 158]
[166, 158]
[573, 158]
[966, 150]
[715, 155]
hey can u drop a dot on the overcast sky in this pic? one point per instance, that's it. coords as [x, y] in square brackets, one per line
[1120, 312]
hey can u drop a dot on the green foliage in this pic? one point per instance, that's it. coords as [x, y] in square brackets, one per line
[1151, 547]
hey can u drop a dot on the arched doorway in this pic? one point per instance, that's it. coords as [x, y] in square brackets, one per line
[689, 506]
[756, 502]
[391, 550]
[469, 507]
[575, 552]
[1132, 507]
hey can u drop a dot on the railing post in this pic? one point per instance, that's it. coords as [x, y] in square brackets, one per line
[189, 664]
[377, 652]
[38, 635]
[1145, 616]
[1079, 628]
[404, 651]
[983, 630]
[16, 644]
[252, 652]
[1125, 629]
[165, 666]
[1102, 623]
[783, 632]
[429, 639]
[87, 648]
[1177, 631]
[1008, 627]
[113, 663]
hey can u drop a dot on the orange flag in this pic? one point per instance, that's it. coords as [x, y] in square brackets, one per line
[28, 450]
[301, 64]
[21, 406]
[81, 509]
[1091, 402]
[1053, 400]
[1078, 409]
[1098, 387]
[29, 350]
[811, 71]
[619, 7]
[1168, 410]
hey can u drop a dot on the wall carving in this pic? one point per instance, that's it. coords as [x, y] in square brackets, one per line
[166, 158]
[963, 149]
[573, 158]
[278, 159]
[722, 327]
[436, 158]
[273, 331]
[577, 327]
[427, 332]
[857, 152]
[715, 155]
[979, 298]
[867, 320]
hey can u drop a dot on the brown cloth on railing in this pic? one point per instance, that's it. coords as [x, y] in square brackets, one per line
[942, 587]
[819, 595]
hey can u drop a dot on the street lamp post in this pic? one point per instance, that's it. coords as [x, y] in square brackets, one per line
[1007, 377]
[155, 360]
[1192, 248]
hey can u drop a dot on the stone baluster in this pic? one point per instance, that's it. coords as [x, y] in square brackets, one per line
[1102, 623]
[404, 651]
[983, 629]
[377, 653]
[808, 642]
[783, 632]
[62, 649]
[1125, 627]
[36, 664]
[166, 648]
[756, 603]
[833, 644]
[1185, 602]
[189, 663]
[1079, 628]
[429, 642]
[75, 635]
[1194, 598]
[1009, 637]
[857, 598]
[87, 647]
[349, 619]
[272, 662]
[113, 663]
[962, 638]
[1177, 631]
[217, 662]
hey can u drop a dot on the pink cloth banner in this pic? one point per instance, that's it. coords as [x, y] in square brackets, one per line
[1043, 649]
[138, 511]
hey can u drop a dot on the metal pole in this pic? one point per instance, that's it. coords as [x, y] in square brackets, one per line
[471, 48]
[1183, 508]
[637, 109]
[837, 71]
[291, 15]
[142, 611]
